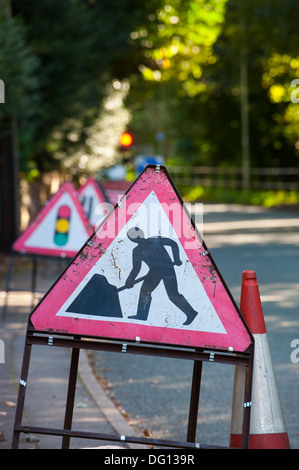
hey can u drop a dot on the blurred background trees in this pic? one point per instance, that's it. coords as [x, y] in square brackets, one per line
[202, 82]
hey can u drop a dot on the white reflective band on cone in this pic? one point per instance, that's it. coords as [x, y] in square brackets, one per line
[266, 412]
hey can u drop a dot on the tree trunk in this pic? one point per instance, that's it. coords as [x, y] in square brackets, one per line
[9, 186]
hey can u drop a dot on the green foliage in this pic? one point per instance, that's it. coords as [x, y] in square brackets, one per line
[238, 196]
[180, 42]
[81, 47]
[18, 66]
[201, 91]
[181, 60]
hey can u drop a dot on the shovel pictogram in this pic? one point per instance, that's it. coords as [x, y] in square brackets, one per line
[99, 298]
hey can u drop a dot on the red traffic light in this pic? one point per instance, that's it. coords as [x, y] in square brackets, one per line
[126, 139]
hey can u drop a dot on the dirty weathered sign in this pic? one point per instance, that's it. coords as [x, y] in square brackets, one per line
[145, 273]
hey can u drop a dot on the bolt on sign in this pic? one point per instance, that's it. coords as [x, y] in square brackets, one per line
[60, 228]
[145, 274]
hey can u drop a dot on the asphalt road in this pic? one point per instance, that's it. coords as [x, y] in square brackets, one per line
[154, 392]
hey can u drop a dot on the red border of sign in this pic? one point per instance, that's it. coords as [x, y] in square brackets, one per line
[44, 317]
[19, 244]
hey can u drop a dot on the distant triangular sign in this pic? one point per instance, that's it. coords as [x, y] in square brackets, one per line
[59, 229]
[93, 200]
[146, 275]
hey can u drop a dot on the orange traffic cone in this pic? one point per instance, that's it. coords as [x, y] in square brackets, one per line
[267, 426]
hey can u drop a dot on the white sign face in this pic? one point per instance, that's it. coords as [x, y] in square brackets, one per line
[173, 291]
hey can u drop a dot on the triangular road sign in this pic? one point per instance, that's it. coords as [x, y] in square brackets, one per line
[93, 200]
[146, 275]
[60, 228]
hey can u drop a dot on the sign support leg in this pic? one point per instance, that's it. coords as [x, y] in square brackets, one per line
[194, 400]
[68, 417]
[247, 405]
[21, 395]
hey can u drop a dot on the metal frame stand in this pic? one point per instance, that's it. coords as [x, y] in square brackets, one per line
[199, 355]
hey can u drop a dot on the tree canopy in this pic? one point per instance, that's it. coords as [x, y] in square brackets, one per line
[195, 51]
[81, 71]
